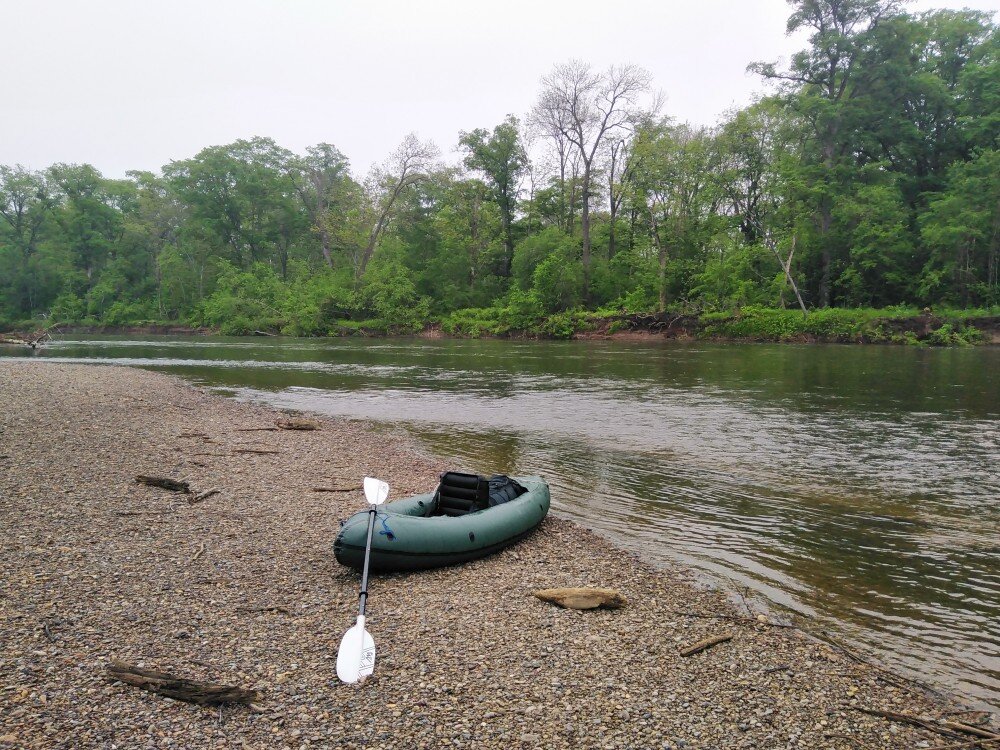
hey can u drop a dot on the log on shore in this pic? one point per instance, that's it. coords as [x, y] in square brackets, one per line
[173, 485]
[706, 644]
[179, 688]
[297, 424]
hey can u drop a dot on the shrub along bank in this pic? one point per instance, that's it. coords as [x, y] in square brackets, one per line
[520, 317]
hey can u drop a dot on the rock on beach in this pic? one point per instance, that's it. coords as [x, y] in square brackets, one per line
[242, 588]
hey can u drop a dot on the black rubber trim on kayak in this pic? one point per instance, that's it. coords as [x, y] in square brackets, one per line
[398, 553]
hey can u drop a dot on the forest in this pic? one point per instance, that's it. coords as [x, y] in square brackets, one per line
[866, 174]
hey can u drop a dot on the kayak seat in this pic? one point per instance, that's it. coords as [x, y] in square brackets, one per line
[459, 494]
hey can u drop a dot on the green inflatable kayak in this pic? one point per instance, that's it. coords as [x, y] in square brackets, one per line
[468, 517]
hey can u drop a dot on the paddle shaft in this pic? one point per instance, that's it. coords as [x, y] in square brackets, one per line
[363, 598]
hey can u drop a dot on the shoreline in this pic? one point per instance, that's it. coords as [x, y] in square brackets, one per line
[754, 325]
[101, 568]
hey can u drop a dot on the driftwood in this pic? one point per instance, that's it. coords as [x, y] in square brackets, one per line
[178, 688]
[26, 339]
[582, 598]
[982, 743]
[883, 674]
[297, 424]
[706, 644]
[941, 726]
[173, 485]
[274, 608]
[202, 496]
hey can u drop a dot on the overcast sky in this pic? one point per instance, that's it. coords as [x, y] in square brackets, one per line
[133, 84]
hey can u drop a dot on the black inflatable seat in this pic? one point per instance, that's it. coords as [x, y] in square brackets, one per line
[459, 493]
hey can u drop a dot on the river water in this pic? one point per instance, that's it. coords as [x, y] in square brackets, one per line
[858, 486]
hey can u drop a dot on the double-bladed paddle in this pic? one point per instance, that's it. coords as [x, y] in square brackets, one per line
[356, 658]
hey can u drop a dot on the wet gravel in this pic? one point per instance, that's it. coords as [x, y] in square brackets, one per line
[242, 588]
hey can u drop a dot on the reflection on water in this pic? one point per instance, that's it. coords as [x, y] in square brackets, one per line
[856, 485]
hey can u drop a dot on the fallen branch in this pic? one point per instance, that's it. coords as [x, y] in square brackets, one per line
[906, 719]
[706, 644]
[910, 719]
[882, 673]
[335, 489]
[173, 485]
[283, 610]
[297, 424]
[178, 688]
[199, 553]
[255, 450]
[257, 429]
[975, 731]
[203, 496]
[966, 744]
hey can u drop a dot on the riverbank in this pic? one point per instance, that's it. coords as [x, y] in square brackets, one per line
[242, 588]
[750, 324]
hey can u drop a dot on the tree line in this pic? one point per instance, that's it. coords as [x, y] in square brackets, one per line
[868, 175]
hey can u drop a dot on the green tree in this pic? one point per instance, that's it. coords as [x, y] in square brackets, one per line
[501, 158]
[242, 195]
[26, 204]
[824, 83]
[962, 230]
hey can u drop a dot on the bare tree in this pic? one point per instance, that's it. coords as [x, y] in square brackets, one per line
[587, 108]
[551, 124]
[619, 164]
[406, 166]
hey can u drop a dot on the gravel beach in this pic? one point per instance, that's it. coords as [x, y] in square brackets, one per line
[242, 588]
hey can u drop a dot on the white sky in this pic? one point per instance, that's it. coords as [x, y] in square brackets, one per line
[133, 84]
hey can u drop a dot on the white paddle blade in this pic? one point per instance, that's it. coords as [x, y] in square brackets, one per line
[376, 491]
[356, 658]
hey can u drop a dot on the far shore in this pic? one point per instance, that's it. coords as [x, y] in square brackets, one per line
[832, 326]
[242, 588]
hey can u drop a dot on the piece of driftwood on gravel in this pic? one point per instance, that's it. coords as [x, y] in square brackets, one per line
[941, 726]
[297, 424]
[179, 688]
[582, 598]
[203, 496]
[173, 485]
[705, 644]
